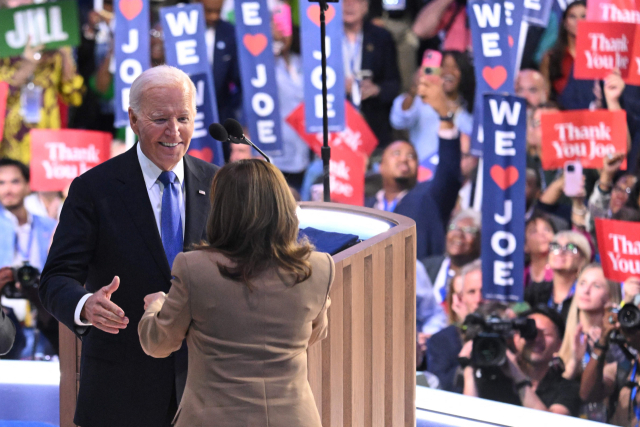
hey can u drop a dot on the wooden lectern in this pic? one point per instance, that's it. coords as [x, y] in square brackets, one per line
[364, 373]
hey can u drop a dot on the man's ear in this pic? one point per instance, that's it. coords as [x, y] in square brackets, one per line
[133, 121]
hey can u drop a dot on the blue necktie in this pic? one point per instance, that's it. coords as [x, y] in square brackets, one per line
[170, 220]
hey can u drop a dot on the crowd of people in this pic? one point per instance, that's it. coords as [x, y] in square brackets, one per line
[580, 361]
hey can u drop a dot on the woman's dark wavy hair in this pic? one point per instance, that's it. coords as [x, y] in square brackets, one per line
[557, 52]
[253, 222]
[467, 86]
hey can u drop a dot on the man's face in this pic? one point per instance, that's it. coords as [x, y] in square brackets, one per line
[164, 124]
[400, 162]
[13, 187]
[540, 350]
[534, 130]
[354, 11]
[471, 295]
[462, 238]
[212, 10]
[531, 86]
[239, 152]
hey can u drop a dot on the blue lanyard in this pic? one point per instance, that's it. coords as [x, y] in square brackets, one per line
[389, 207]
[558, 308]
[25, 255]
[634, 392]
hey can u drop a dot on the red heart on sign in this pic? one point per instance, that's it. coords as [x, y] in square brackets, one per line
[504, 178]
[313, 12]
[255, 44]
[495, 76]
[130, 8]
[205, 154]
[510, 39]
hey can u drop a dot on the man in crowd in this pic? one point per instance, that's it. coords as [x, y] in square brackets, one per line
[528, 377]
[120, 229]
[24, 238]
[429, 203]
[222, 54]
[443, 347]
[462, 247]
[371, 71]
[531, 85]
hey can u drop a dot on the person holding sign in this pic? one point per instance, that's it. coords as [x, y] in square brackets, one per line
[36, 79]
[121, 227]
[557, 64]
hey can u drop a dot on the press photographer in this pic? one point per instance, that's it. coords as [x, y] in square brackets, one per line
[24, 244]
[616, 381]
[510, 368]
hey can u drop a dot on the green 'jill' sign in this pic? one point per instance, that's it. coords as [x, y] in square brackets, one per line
[50, 24]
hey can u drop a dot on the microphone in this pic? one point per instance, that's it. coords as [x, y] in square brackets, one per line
[236, 136]
[217, 131]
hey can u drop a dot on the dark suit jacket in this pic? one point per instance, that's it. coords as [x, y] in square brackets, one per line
[226, 74]
[379, 56]
[430, 203]
[442, 357]
[7, 333]
[107, 228]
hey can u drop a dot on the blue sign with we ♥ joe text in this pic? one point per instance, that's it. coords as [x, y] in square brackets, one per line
[504, 166]
[257, 71]
[185, 48]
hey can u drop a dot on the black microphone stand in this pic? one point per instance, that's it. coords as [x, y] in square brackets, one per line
[326, 150]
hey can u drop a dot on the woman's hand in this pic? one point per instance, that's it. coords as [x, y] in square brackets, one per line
[431, 92]
[610, 165]
[149, 299]
[31, 54]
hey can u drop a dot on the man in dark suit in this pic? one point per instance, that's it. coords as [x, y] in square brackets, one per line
[120, 229]
[223, 57]
[429, 203]
[371, 69]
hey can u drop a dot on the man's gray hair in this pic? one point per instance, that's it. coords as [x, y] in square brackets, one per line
[470, 267]
[468, 213]
[160, 76]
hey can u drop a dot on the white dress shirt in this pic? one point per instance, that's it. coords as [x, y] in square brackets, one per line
[210, 39]
[24, 251]
[150, 173]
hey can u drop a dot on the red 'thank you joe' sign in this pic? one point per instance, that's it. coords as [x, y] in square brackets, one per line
[619, 245]
[613, 11]
[582, 135]
[59, 156]
[603, 46]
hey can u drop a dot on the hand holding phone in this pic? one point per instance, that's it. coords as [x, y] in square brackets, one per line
[573, 180]
[431, 60]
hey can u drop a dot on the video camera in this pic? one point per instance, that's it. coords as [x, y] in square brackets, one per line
[490, 337]
[28, 276]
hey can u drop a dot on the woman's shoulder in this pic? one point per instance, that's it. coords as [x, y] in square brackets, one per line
[321, 259]
[322, 267]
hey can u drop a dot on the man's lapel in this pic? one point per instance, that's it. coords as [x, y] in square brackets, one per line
[135, 199]
[197, 187]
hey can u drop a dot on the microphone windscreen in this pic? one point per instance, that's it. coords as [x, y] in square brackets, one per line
[217, 131]
[233, 128]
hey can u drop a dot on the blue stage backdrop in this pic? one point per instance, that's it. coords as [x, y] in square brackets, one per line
[503, 183]
[492, 57]
[185, 48]
[257, 71]
[311, 58]
[131, 42]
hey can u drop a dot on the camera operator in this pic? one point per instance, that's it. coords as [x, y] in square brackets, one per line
[618, 382]
[24, 244]
[529, 375]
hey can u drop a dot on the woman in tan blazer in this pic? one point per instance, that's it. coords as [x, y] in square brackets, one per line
[249, 302]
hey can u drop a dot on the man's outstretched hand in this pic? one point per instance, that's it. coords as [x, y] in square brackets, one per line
[102, 313]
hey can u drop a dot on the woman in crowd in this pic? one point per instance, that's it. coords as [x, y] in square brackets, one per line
[36, 80]
[568, 253]
[410, 112]
[294, 159]
[558, 63]
[538, 235]
[249, 303]
[593, 295]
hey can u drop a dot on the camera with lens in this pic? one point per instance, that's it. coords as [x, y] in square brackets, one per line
[629, 317]
[29, 278]
[490, 337]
